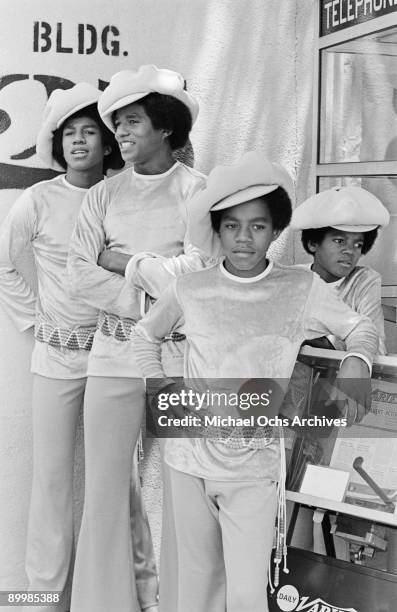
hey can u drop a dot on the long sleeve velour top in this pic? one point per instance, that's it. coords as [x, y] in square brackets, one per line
[44, 216]
[243, 328]
[130, 213]
[361, 290]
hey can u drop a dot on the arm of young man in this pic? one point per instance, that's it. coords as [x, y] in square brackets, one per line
[17, 231]
[153, 274]
[88, 281]
[327, 314]
[147, 336]
[150, 272]
[369, 303]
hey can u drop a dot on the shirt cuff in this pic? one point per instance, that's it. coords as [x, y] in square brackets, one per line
[132, 265]
[360, 356]
[129, 270]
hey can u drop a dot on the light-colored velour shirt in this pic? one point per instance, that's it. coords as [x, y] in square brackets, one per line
[242, 328]
[44, 216]
[361, 290]
[130, 213]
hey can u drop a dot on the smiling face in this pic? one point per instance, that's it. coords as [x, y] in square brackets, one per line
[82, 144]
[139, 142]
[246, 232]
[337, 254]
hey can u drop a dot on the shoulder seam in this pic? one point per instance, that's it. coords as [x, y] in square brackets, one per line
[193, 171]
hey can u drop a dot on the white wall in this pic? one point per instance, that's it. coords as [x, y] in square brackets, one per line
[250, 64]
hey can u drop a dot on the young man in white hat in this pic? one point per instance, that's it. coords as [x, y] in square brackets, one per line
[338, 226]
[244, 318]
[141, 209]
[74, 141]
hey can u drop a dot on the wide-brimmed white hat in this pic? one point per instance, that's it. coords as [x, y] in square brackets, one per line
[61, 104]
[128, 86]
[251, 177]
[349, 209]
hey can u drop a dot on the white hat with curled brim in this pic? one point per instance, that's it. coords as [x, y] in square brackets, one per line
[348, 209]
[128, 86]
[249, 178]
[61, 104]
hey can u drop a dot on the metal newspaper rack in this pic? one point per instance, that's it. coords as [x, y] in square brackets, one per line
[342, 446]
[348, 471]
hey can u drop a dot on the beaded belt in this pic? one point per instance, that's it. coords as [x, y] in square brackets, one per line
[77, 339]
[120, 328]
[175, 337]
[114, 326]
[239, 437]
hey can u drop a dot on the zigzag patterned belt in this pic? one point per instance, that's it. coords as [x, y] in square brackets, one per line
[120, 328]
[114, 326]
[175, 337]
[237, 437]
[77, 339]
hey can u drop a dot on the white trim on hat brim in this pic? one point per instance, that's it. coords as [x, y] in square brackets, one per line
[244, 195]
[75, 109]
[124, 101]
[355, 228]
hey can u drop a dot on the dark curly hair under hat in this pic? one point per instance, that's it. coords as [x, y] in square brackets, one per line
[279, 205]
[317, 235]
[167, 113]
[113, 160]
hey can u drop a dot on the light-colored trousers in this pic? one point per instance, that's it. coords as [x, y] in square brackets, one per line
[224, 533]
[168, 550]
[107, 560]
[49, 557]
